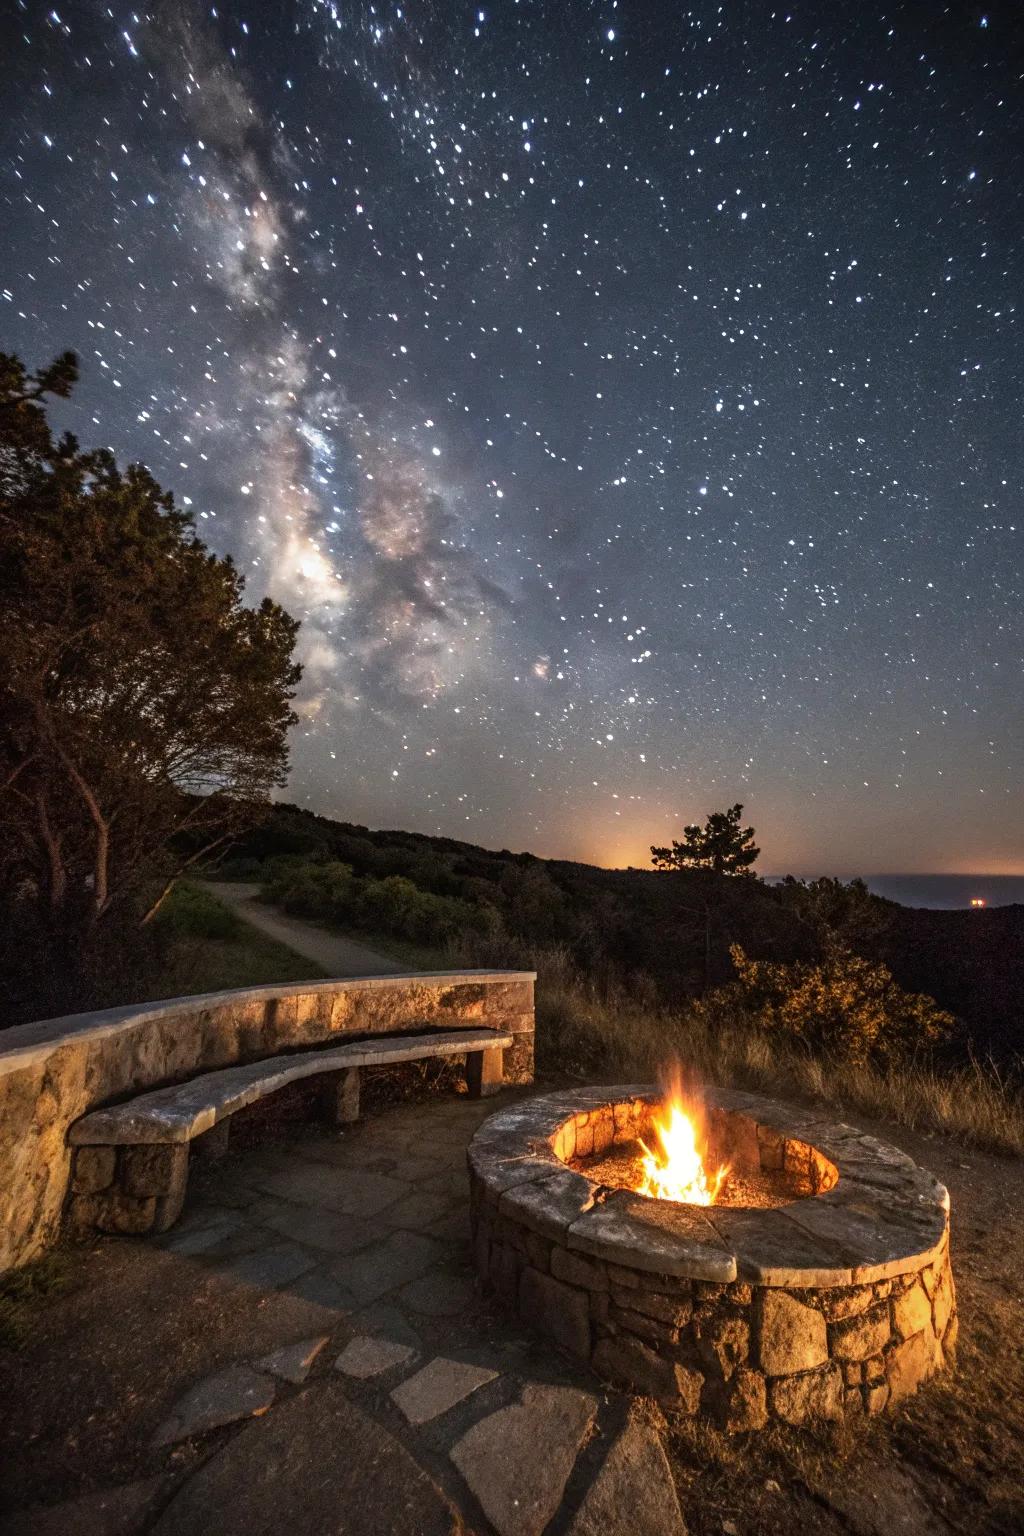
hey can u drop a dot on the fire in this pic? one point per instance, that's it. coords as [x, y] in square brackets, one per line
[676, 1171]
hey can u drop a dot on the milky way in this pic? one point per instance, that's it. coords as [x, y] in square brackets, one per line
[627, 399]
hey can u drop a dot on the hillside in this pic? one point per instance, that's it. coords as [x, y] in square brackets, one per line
[672, 931]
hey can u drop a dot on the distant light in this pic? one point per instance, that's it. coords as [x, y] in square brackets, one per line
[977, 901]
[611, 34]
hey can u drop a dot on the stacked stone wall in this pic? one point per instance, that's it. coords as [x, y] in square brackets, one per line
[739, 1352]
[55, 1071]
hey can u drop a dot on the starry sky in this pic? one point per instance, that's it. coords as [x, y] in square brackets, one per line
[627, 397]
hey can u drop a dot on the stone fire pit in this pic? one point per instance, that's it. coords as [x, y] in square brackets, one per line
[835, 1297]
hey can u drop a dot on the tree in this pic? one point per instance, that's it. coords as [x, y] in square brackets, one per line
[721, 845]
[144, 708]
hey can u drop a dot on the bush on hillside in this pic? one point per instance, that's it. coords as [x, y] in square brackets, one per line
[842, 1004]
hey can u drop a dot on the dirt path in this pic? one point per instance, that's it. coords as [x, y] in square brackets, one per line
[338, 955]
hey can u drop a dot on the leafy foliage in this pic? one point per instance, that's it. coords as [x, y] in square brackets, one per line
[844, 1004]
[720, 845]
[144, 709]
[330, 892]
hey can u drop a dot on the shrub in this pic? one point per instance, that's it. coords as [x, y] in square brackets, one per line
[190, 912]
[845, 1004]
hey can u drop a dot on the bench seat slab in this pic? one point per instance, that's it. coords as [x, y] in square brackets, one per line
[187, 1110]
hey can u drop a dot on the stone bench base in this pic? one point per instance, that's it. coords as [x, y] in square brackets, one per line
[130, 1162]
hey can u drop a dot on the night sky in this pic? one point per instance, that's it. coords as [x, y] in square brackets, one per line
[626, 397]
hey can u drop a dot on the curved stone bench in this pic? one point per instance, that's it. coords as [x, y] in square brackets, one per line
[54, 1072]
[130, 1164]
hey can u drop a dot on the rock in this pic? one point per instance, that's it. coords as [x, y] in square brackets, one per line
[633, 1491]
[911, 1312]
[316, 1464]
[517, 1461]
[812, 1395]
[235, 1393]
[911, 1363]
[858, 1338]
[675, 1311]
[791, 1336]
[439, 1386]
[943, 1301]
[364, 1357]
[94, 1169]
[560, 1311]
[293, 1361]
[628, 1363]
[154, 1170]
[723, 1343]
[746, 1401]
[876, 1395]
[574, 1269]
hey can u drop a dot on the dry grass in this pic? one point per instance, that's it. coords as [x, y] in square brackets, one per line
[602, 1029]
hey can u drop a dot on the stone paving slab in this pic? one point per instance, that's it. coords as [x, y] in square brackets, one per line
[633, 1492]
[401, 1257]
[437, 1387]
[293, 1362]
[365, 1356]
[232, 1394]
[517, 1461]
[317, 1464]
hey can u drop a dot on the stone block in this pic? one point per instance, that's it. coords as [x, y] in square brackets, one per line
[560, 1311]
[644, 1327]
[791, 1336]
[676, 1311]
[723, 1343]
[154, 1170]
[911, 1363]
[876, 1395]
[911, 1312]
[858, 1338]
[849, 1301]
[485, 1072]
[810, 1395]
[745, 1401]
[950, 1336]
[629, 1363]
[574, 1269]
[94, 1169]
[853, 1373]
[944, 1301]
[124, 1214]
[853, 1402]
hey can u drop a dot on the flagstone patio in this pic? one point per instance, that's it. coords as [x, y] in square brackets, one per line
[307, 1350]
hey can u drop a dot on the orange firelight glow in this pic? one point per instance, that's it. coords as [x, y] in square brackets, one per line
[676, 1171]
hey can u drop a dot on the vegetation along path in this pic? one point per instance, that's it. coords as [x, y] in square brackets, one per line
[338, 955]
[307, 1350]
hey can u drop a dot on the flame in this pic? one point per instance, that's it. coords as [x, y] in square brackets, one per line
[676, 1171]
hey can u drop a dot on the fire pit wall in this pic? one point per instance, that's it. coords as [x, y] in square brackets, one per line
[839, 1302]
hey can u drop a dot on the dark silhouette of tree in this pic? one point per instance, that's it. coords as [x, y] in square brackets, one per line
[721, 845]
[144, 708]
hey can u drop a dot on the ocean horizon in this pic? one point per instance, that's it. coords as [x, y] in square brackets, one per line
[941, 892]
